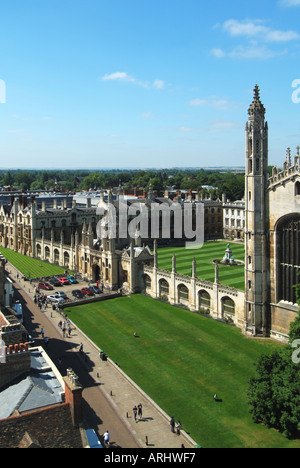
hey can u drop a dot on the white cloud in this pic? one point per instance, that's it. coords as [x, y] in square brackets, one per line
[158, 84]
[255, 52]
[220, 104]
[198, 102]
[219, 53]
[126, 78]
[215, 126]
[121, 76]
[256, 30]
[289, 3]
[258, 37]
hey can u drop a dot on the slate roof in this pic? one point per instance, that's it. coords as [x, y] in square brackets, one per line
[35, 389]
[33, 412]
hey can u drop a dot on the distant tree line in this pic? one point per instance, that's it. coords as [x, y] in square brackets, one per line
[231, 183]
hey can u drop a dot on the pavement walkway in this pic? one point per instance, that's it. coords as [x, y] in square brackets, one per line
[152, 430]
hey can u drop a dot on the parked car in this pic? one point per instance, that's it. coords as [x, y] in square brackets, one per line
[55, 282]
[95, 290]
[55, 298]
[63, 281]
[46, 286]
[77, 293]
[87, 292]
[61, 294]
[72, 279]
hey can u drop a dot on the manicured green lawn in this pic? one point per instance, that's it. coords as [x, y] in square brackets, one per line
[228, 275]
[180, 359]
[30, 267]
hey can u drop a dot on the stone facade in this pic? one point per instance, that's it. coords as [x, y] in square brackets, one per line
[234, 219]
[219, 301]
[272, 233]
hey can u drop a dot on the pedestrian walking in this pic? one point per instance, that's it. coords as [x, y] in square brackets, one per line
[106, 437]
[81, 348]
[178, 428]
[42, 333]
[172, 424]
[134, 412]
[140, 410]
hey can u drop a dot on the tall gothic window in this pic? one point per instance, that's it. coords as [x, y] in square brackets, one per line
[289, 257]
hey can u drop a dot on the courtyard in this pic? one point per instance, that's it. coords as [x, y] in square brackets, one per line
[180, 360]
[228, 275]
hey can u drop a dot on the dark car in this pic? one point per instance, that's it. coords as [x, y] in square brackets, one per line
[46, 286]
[55, 282]
[77, 293]
[95, 290]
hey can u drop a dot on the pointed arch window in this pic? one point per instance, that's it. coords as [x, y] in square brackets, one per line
[288, 235]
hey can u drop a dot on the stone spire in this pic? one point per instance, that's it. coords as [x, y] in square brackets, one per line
[256, 107]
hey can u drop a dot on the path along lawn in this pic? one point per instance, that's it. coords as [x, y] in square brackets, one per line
[30, 267]
[228, 275]
[180, 360]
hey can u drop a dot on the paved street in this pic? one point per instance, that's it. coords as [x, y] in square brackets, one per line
[108, 396]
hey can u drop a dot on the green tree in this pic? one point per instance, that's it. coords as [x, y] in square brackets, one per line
[274, 392]
[8, 179]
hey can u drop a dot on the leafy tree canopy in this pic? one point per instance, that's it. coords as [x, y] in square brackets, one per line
[274, 392]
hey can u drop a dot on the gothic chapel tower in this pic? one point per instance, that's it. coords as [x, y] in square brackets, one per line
[256, 219]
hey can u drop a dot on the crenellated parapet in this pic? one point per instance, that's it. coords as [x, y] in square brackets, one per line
[290, 171]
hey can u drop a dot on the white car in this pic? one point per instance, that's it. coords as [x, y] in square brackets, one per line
[54, 298]
[61, 294]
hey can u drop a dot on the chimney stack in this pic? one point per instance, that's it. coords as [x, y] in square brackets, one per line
[73, 392]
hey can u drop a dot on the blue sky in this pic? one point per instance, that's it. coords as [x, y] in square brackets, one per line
[140, 83]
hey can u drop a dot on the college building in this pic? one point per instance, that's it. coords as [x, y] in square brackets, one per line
[267, 220]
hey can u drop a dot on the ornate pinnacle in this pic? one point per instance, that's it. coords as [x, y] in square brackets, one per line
[256, 106]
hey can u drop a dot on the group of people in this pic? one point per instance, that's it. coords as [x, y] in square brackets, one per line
[65, 326]
[40, 299]
[138, 411]
[175, 427]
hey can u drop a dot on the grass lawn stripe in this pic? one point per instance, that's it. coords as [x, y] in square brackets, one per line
[228, 275]
[180, 359]
[30, 267]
